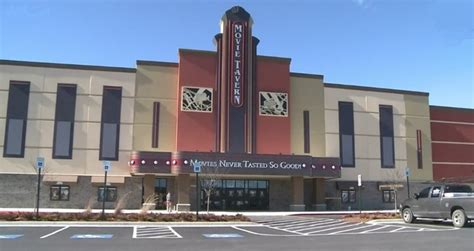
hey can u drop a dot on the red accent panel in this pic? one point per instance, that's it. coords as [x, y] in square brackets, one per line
[452, 132]
[453, 153]
[273, 133]
[452, 171]
[446, 114]
[196, 130]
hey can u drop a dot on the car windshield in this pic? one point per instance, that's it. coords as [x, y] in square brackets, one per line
[458, 189]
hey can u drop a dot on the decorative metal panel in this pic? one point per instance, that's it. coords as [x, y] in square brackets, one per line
[196, 99]
[274, 104]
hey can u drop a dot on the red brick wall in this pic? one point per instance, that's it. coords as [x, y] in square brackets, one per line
[452, 135]
[273, 133]
[196, 130]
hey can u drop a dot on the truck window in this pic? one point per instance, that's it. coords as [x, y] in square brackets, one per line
[458, 189]
[424, 193]
[435, 192]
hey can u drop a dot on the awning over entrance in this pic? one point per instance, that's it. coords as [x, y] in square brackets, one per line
[51, 178]
[235, 164]
[110, 179]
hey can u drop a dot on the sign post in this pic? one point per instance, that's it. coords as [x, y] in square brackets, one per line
[197, 170]
[407, 173]
[359, 184]
[39, 166]
[107, 167]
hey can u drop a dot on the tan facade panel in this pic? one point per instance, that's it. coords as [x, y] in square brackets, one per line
[2, 131]
[418, 118]
[157, 81]
[41, 114]
[366, 131]
[307, 94]
[3, 103]
[39, 105]
[39, 133]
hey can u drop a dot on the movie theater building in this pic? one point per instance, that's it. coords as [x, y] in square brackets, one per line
[268, 138]
[276, 139]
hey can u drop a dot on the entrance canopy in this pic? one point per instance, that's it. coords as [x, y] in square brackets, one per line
[235, 164]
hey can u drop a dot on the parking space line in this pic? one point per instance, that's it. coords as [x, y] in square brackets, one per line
[316, 224]
[144, 232]
[396, 230]
[286, 222]
[323, 230]
[309, 223]
[262, 234]
[282, 229]
[174, 232]
[350, 229]
[55, 232]
[325, 225]
[375, 229]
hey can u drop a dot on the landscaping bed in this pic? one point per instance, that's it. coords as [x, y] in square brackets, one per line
[370, 216]
[150, 217]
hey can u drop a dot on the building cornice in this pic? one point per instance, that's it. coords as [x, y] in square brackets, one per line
[157, 63]
[374, 89]
[306, 75]
[452, 108]
[67, 66]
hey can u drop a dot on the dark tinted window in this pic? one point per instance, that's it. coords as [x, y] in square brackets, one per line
[17, 113]
[424, 193]
[346, 134]
[386, 136]
[110, 125]
[64, 121]
[458, 189]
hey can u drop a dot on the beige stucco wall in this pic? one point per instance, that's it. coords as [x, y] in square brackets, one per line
[366, 129]
[307, 94]
[41, 111]
[418, 118]
[155, 83]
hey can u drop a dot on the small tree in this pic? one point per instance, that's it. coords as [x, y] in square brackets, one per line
[209, 182]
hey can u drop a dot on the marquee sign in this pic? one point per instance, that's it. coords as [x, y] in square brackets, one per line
[237, 57]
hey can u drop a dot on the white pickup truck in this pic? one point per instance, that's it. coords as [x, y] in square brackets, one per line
[446, 201]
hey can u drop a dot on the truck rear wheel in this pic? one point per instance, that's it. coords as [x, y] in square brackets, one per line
[459, 218]
[407, 215]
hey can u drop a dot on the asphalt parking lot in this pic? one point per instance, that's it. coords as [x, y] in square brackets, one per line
[265, 233]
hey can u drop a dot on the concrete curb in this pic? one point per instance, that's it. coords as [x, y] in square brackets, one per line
[124, 223]
[257, 213]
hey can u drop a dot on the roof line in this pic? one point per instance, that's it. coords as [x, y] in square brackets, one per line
[157, 63]
[67, 66]
[375, 89]
[214, 53]
[306, 75]
[452, 108]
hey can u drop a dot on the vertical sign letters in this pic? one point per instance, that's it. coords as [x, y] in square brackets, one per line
[237, 60]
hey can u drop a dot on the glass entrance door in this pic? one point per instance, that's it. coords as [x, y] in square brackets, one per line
[160, 192]
[238, 195]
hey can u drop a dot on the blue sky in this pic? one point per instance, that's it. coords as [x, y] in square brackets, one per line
[421, 45]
